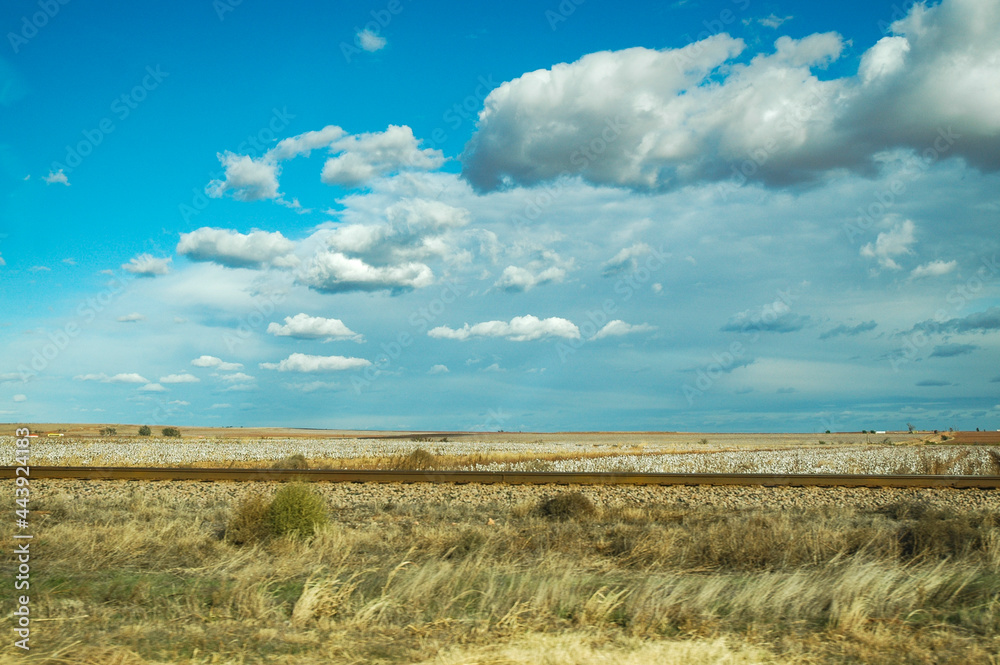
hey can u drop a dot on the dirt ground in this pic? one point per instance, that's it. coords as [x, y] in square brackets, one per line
[77, 430]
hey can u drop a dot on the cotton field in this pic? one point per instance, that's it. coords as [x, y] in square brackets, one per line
[578, 456]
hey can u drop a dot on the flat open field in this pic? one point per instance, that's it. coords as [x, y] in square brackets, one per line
[138, 573]
[131, 573]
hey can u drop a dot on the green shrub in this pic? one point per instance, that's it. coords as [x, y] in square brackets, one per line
[249, 523]
[568, 505]
[108, 431]
[296, 509]
[145, 431]
[171, 431]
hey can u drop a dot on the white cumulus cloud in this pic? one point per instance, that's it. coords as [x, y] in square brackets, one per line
[335, 272]
[237, 250]
[56, 177]
[305, 143]
[626, 259]
[215, 363]
[894, 242]
[519, 329]
[370, 41]
[246, 179]
[673, 117]
[300, 362]
[146, 265]
[179, 378]
[618, 327]
[549, 268]
[239, 377]
[364, 157]
[303, 326]
[934, 269]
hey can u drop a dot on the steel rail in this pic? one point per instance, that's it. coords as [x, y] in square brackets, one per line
[504, 477]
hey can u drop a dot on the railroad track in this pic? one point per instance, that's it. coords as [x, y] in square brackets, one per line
[512, 478]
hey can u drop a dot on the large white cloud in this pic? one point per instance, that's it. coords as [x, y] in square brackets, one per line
[939, 73]
[237, 250]
[303, 326]
[300, 362]
[664, 119]
[519, 329]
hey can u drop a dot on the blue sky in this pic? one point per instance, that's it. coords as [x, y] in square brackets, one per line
[732, 216]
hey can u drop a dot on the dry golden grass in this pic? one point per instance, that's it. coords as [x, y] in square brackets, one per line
[129, 581]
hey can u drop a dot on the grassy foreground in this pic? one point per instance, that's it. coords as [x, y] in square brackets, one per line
[123, 581]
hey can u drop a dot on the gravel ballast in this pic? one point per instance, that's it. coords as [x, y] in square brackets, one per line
[188, 495]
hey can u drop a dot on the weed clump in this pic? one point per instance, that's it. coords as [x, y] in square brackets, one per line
[568, 505]
[419, 460]
[994, 462]
[249, 523]
[928, 532]
[296, 461]
[296, 509]
[938, 534]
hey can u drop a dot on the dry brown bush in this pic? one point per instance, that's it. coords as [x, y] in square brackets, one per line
[249, 523]
[568, 505]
